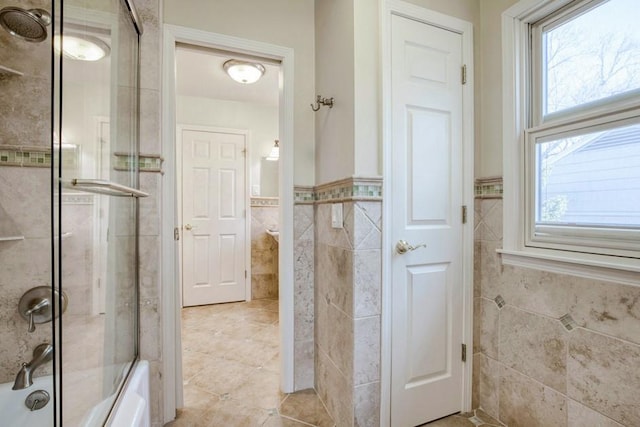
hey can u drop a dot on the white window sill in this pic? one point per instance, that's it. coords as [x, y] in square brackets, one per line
[611, 269]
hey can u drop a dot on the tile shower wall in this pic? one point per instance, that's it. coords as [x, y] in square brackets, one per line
[347, 312]
[531, 371]
[25, 194]
[264, 251]
[150, 12]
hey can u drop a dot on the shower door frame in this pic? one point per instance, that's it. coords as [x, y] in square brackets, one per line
[172, 363]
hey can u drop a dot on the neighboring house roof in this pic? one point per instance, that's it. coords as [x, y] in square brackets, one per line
[616, 137]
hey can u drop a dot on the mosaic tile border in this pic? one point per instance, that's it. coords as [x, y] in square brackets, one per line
[350, 189]
[303, 195]
[77, 199]
[146, 162]
[489, 188]
[265, 202]
[39, 157]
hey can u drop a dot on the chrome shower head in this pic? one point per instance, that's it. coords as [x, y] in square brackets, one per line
[29, 25]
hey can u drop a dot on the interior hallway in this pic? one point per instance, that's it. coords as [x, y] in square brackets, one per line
[231, 370]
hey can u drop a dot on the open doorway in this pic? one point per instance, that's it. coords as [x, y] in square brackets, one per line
[226, 147]
[228, 210]
[172, 298]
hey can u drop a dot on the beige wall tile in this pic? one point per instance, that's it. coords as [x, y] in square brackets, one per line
[602, 374]
[491, 269]
[581, 416]
[534, 345]
[535, 290]
[488, 383]
[488, 327]
[150, 140]
[362, 232]
[303, 376]
[325, 233]
[335, 390]
[150, 206]
[341, 340]
[303, 219]
[303, 254]
[606, 307]
[366, 357]
[367, 283]
[334, 275]
[367, 405]
[527, 403]
[303, 311]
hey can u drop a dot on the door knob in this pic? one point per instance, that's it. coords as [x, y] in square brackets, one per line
[402, 247]
[188, 227]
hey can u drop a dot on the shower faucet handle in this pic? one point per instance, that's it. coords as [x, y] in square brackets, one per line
[39, 305]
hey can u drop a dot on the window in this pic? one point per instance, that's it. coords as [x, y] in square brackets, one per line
[576, 118]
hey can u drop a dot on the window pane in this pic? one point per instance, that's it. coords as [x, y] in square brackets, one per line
[592, 56]
[590, 180]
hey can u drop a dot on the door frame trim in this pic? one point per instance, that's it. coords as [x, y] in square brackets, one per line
[171, 340]
[246, 196]
[389, 8]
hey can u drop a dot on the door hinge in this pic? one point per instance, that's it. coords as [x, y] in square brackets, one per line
[176, 233]
[464, 214]
[245, 274]
[464, 352]
[464, 74]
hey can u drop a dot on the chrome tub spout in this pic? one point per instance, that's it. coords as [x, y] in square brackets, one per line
[41, 355]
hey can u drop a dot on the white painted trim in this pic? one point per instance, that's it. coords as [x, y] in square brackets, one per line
[465, 29]
[247, 197]
[170, 277]
[170, 298]
[561, 262]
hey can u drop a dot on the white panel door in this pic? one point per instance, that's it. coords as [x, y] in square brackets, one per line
[213, 216]
[427, 160]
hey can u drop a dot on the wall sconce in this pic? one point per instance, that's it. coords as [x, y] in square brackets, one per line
[275, 152]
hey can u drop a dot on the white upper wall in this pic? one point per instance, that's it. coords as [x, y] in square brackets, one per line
[288, 23]
[335, 154]
[489, 88]
[348, 140]
[347, 66]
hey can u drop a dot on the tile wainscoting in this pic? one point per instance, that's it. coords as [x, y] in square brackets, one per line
[347, 300]
[529, 370]
[264, 248]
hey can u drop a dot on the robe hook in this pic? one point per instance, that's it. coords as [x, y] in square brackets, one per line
[320, 101]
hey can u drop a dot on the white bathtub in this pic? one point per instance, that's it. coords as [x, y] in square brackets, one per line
[15, 413]
[132, 409]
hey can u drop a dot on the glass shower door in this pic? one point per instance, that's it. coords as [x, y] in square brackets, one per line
[98, 145]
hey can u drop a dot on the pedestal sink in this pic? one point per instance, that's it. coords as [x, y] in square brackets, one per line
[274, 233]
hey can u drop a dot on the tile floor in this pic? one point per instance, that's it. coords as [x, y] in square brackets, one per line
[231, 370]
[469, 419]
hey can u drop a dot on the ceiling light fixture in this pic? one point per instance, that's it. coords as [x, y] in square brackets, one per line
[275, 152]
[80, 47]
[243, 71]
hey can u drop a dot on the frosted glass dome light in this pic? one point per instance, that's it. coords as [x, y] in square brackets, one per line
[243, 71]
[80, 47]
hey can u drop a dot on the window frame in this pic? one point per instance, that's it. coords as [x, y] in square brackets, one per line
[597, 255]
